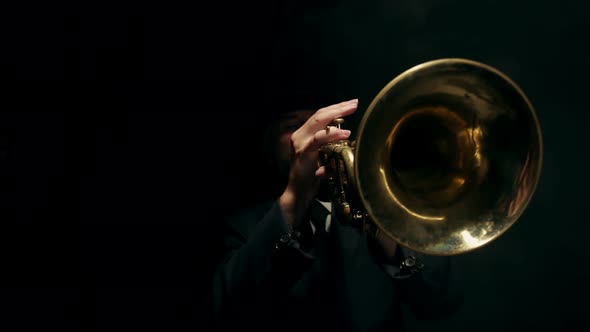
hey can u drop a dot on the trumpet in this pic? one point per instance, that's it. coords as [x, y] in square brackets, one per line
[447, 158]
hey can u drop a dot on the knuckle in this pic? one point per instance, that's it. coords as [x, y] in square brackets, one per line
[295, 144]
[317, 137]
[318, 118]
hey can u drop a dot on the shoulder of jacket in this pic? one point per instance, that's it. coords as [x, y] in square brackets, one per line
[245, 220]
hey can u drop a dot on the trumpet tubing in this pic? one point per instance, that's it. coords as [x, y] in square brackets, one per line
[447, 158]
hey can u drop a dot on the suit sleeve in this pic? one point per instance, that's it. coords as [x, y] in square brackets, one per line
[254, 273]
[431, 292]
[429, 289]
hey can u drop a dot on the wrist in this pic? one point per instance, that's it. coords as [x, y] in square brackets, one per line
[293, 207]
[286, 203]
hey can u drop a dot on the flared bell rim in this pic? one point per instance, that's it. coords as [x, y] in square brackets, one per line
[443, 238]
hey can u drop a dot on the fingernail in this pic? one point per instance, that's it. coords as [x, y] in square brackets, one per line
[346, 132]
[354, 101]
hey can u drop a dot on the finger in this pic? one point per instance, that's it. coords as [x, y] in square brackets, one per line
[324, 116]
[323, 136]
[325, 172]
[321, 172]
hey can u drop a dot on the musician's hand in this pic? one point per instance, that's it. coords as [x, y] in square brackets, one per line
[306, 171]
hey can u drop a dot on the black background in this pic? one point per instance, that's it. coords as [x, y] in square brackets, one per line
[126, 128]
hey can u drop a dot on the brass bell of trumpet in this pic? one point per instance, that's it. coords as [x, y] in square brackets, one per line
[446, 159]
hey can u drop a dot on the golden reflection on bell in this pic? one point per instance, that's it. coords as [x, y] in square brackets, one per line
[447, 156]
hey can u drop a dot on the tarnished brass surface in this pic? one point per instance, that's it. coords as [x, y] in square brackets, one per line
[447, 157]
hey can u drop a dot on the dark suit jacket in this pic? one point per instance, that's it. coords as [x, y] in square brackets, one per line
[337, 283]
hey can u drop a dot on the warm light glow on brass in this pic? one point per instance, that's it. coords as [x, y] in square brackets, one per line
[469, 239]
[447, 158]
[475, 135]
[402, 206]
